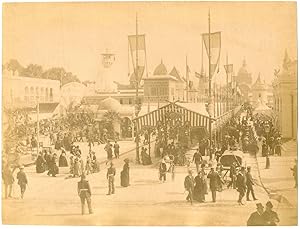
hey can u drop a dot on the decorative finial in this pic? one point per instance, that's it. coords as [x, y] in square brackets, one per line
[244, 62]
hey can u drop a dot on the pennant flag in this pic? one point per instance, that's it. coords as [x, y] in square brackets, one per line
[190, 84]
[138, 44]
[228, 68]
[215, 49]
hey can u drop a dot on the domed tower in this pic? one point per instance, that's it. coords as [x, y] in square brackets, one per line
[244, 80]
[160, 69]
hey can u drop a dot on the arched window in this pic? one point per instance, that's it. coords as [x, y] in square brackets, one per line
[42, 95]
[51, 95]
[37, 93]
[46, 95]
[31, 94]
[26, 97]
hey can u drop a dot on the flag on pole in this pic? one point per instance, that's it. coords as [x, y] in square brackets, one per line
[190, 84]
[137, 43]
[215, 49]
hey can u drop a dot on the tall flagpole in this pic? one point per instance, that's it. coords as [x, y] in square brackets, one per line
[137, 89]
[38, 125]
[187, 80]
[227, 82]
[209, 76]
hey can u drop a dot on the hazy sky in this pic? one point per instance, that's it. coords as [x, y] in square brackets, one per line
[73, 35]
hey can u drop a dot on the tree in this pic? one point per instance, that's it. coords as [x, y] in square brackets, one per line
[33, 71]
[36, 71]
[14, 65]
[111, 116]
[60, 74]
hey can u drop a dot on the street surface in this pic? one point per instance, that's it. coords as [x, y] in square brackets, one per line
[54, 200]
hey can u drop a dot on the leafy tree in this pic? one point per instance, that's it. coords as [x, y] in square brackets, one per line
[33, 71]
[111, 116]
[14, 65]
[36, 71]
[60, 74]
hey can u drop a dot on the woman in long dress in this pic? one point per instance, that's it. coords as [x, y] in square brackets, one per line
[199, 191]
[125, 174]
[40, 164]
[204, 177]
[63, 160]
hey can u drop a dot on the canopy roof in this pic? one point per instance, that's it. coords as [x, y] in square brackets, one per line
[194, 114]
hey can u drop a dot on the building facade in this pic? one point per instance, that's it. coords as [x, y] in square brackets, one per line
[285, 98]
[162, 86]
[261, 92]
[25, 91]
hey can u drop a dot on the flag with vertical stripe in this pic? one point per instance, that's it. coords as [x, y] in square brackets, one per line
[215, 49]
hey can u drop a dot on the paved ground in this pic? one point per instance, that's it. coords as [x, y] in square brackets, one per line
[54, 201]
[279, 180]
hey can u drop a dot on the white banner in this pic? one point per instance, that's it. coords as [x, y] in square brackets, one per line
[215, 49]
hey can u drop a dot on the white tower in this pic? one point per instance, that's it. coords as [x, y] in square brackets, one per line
[107, 73]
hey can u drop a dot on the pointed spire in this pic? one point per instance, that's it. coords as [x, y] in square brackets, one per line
[244, 62]
[258, 78]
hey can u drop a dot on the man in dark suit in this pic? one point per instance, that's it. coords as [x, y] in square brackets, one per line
[213, 183]
[197, 158]
[249, 184]
[270, 216]
[84, 192]
[256, 218]
[22, 180]
[189, 186]
[241, 185]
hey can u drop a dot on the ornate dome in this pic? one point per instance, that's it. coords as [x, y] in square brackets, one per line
[243, 70]
[160, 69]
[244, 77]
[109, 104]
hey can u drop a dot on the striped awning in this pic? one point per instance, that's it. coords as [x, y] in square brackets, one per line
[180, 114]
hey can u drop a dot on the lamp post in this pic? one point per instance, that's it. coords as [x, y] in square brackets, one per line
[137, 106]
[267, 130]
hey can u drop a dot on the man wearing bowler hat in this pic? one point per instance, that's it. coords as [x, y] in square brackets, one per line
[256, 218]
[270, 216]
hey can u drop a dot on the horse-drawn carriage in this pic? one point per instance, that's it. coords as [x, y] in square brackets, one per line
[230, 157]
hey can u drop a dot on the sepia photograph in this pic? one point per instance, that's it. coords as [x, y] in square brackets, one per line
[149, 113]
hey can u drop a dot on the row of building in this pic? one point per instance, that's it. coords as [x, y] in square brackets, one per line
[159, 88]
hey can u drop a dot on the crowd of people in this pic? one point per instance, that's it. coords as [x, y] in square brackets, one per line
[239, 135]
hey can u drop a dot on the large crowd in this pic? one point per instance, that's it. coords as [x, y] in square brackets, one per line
[241, 133]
